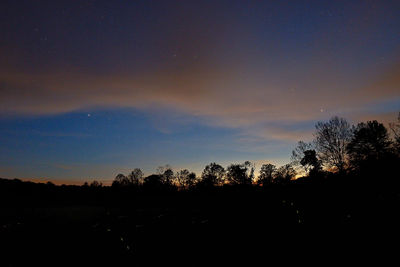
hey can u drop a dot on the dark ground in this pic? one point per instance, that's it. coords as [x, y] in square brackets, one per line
[76, 226]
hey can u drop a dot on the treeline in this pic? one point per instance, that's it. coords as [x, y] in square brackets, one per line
[213, 175]
[337, 148]
[346, 176]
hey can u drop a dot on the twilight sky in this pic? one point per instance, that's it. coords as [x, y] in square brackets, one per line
[89, 89]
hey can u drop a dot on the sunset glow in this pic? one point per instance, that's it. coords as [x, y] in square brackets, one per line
[91, 90]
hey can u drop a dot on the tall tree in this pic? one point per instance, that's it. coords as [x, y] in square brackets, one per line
[213, 174]
[395, 128]
[185, 179]
[120, 180]
[298, 154]
[310, 162]
[267, 173]
[370, 142]
[242, 174]
[284, 174]
[191, 180]
[136, 177]
[166, 173]
[331, 139]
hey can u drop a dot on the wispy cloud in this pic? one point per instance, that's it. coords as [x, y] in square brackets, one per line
[225, 70]
[214, 97]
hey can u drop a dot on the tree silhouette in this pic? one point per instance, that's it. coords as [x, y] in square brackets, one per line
[191, 180]
[185, 179]
[136, 177]
[331, 139]
[285, 174]
[95, 184]
[310, 162]
[240, 174]
[395, 128]
[370, 142]
[166, 173]
[165, 221]
[267, 173]
[153, 182]
[298, 154]
[213, 174]
[120, 180]
[181, 178]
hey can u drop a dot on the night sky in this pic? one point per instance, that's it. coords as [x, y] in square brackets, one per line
[89, 89]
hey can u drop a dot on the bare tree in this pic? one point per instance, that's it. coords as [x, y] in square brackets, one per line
[395, 128]
[331, 139]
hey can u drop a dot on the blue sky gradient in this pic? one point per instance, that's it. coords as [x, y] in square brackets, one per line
[89, 89]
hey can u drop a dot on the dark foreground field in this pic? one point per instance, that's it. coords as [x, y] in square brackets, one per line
[76, 226]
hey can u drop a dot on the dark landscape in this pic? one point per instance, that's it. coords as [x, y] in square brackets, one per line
[169, 216]
[199, 133]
